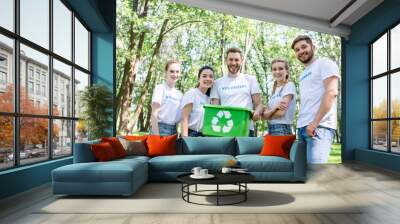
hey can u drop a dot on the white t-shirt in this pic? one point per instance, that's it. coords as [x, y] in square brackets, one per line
[280, 92]
[170, 101]
[197, 99]
[236, 91]
[311, 92]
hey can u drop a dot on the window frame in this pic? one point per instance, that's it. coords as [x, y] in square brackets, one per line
[388, 74]
[15, 71]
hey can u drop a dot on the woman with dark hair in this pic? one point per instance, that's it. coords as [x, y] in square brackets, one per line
[282, 102]
[166, 101]
[193, 101]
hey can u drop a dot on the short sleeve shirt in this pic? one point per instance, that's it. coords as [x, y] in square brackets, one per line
[280, 92]
[312, 90]
[197, 98]
[236, 91]
[170, 102]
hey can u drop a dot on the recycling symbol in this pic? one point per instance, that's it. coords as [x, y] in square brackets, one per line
[217, 123]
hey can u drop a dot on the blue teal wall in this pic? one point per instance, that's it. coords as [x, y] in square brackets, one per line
[99, 16]
[356, 84]
[103, 62]
[24, 178]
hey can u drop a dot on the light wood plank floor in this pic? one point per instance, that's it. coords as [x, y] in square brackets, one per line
[378, 189]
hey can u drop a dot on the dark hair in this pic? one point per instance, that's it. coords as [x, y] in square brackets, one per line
[198, 76]
[286, 67]
[234, 50]
[169, 62]
[300, 38]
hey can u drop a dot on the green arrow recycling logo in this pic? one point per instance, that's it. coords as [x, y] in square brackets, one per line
[219, 126]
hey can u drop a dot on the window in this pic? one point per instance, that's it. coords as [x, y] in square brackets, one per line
[7, 14]
[44, 91]
[30, 87]
[3, 61]
[38, 89]
[30, 72]
[6, 74]
[3, 72]
[3, 78]
[34, 21]
[37, 75]
[81, 45]
[385, 96]
[41, 83]
[62, 29]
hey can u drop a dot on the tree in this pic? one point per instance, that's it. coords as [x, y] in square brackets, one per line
[33, 131]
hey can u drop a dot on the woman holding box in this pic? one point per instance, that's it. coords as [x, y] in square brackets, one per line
[193, 101]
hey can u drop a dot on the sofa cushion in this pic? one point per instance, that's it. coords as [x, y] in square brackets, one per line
[257, 163]
[277, 145]
[103, 152]
[136, 147]
[161, 145]
[83, 152]
[116, 145]
[135, 137]
[96, 172]
[185, 163]
[249, 145]
[208, 145]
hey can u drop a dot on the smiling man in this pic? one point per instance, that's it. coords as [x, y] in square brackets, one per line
[238, 89]
[318, 91]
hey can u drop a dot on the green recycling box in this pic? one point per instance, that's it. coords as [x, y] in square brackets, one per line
[226, 121]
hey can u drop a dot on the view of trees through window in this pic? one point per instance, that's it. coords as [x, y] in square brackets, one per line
[385, 96]
[38, 83]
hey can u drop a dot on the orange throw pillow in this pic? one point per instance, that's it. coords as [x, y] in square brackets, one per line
[103, 151]
[135, 137]
[161, 145]
[277, 145]
[116, 145]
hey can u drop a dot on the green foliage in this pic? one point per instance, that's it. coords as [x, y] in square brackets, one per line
[200, 37]
[97, 104]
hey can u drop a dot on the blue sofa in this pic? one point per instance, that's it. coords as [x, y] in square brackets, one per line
[125, 176]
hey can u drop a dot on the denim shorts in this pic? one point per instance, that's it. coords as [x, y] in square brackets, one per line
[192, 133]
[280, 129]
[166, 129]
[319, 146]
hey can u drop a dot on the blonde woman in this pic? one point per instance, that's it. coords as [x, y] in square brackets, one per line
[166, 101]
[282, 102]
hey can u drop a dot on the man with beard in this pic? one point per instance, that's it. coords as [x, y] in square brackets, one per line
[238, 89]
[318, 91]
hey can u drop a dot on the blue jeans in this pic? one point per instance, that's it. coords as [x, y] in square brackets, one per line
[279, 129]
[166, 129]
[195, 133]
[319, 146]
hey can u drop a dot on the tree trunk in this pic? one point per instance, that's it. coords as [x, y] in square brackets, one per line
[222, 45]
[247, 47]
[124, 95]
[142, 96]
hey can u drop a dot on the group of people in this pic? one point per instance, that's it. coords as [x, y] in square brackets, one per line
[318, 88]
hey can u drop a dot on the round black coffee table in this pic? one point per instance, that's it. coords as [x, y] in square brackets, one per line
[238, 179]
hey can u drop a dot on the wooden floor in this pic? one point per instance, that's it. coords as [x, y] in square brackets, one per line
[377, 188]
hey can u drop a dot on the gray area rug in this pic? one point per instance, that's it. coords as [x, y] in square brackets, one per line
[166, 198]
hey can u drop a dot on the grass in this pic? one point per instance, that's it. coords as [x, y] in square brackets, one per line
[335, 155]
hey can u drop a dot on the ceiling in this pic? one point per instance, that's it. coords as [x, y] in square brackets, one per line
[327, 16]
